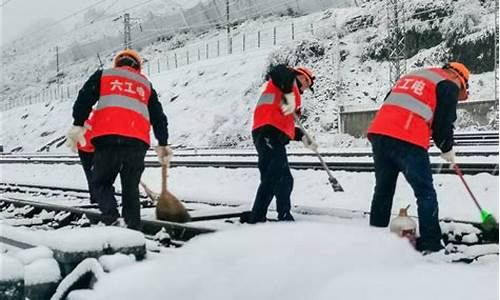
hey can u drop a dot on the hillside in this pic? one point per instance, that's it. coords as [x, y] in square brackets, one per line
[209, 102]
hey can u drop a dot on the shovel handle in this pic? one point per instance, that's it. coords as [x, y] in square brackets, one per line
[461, 175]
[333, 181]
[164, 175]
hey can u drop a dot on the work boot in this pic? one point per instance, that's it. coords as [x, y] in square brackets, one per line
[426, 247]
[245, 217]
[249, 218]
[286, 217]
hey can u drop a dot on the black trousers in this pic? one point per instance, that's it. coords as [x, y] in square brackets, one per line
[86, 158]
[275, 179]
[392, 156]
[109, 161]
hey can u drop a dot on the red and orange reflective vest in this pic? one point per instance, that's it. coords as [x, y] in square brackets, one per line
[408, 111]
[89, 123]
[268, 110]
[122, 108]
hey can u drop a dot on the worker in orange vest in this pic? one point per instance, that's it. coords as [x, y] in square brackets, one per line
[421, 104]
[126, 108]
[273, 128]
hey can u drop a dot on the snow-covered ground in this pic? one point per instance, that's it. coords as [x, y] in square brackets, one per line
[305, 260]
[308, 259]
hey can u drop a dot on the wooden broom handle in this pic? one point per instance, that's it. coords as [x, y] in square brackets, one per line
[164, 174]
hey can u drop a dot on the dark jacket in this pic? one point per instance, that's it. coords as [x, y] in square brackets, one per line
[445, 115]
[88, 96]
[284, 78]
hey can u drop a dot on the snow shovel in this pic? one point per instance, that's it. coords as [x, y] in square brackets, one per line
[333, 181]
[488, 221]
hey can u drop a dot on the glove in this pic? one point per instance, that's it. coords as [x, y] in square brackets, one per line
[75, 135]
[164, 154]
[449, 156]
[288, 106]
[309, 143]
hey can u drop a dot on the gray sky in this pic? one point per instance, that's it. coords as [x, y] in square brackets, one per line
[19, 15]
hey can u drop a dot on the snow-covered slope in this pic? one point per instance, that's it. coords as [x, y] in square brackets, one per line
[210, 102]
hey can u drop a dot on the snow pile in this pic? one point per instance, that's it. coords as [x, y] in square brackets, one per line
[297, 261]
[115, 261]
[74, 239]
[41, 271]
[89, 266]
[95, 238]
[28, 256]
[12, 268]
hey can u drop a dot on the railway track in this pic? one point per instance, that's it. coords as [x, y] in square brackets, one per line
[487, 138]
[458, 236]
[36, 189]
[178, 231]
[349, 159]
[476, 138]
[67, 215]
[455, 231]
[247, 153]
[469, 168]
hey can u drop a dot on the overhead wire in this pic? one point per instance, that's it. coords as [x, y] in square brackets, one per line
[72, 31]
[61, 20]
[200, 25]
[4, 3]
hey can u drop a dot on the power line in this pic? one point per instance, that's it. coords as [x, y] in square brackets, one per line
[108, 7]
[5, 2]
[199, 25]
[60, 20]
[78, 29]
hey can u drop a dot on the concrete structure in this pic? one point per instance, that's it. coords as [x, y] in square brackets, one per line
[355, 120]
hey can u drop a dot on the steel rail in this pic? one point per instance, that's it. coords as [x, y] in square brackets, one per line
[437, 168]
[184, 232]
[177, 231]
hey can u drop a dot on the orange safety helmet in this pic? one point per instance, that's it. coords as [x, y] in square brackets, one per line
[130, 54]
[462, 72]
[307, 73]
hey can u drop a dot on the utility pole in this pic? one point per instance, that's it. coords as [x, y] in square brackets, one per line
[336, 66]
[227, 18]
[397, 44]
[229, 42]
[57, 65]
[57, 60]
[127, 39]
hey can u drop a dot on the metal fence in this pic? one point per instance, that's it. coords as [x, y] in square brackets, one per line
[236, 42]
